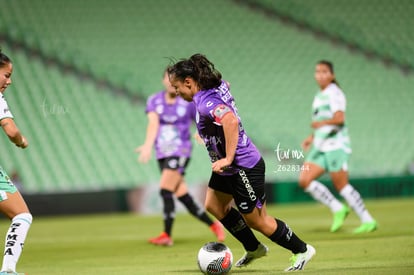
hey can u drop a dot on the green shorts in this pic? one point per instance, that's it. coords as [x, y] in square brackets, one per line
[6, 185]
[332, 161]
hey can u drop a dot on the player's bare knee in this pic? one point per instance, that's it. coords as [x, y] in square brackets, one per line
[212, 209]
[304, 181]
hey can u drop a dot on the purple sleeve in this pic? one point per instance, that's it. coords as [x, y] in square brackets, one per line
[150, 104]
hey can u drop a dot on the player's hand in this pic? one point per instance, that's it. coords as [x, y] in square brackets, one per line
[24, 143]
[144, 153]
[306, 144]
[220, 165]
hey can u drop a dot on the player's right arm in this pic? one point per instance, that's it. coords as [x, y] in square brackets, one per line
[145, 149]
[11, 130]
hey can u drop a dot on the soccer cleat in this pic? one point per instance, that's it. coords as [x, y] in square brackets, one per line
[11, 273]
[339, 218]
[163, 239]
[218, 230]
[249, 256]
[366, 227]
[301, 259]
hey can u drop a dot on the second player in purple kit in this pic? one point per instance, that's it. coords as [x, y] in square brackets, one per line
[238, 170]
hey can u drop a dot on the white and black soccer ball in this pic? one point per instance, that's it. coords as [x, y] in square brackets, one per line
[215, 258]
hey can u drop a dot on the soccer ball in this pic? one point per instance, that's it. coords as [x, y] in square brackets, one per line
[215, 258]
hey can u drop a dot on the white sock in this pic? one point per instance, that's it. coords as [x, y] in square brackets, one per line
[322, 194]
[354, 200]
[15, 238]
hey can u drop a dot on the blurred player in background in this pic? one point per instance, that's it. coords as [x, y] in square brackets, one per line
[238, 170]
[169, 121]
[12, 203]
[329, 150]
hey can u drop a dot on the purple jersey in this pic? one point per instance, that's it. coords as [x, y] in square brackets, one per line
[173, 137]
[211, 105]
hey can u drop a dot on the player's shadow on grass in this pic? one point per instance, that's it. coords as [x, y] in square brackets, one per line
[345, 232]
[233, 271]
[321, 229]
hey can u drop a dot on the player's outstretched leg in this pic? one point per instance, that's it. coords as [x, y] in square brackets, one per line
[199, 212]
[321, 193]
[164, 239]
[15, 239]
[355, 201]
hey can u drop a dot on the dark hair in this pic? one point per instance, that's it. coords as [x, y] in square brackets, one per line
[199, 68]
[330, 66]
[4, 59]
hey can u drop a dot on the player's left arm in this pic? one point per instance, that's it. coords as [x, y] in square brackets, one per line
[230, 123]
[337, 119]
[231, 134]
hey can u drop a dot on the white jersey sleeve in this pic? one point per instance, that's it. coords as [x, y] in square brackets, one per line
[337, 99]
[4, 108]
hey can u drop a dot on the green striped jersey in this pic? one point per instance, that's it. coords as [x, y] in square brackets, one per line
[325, 104]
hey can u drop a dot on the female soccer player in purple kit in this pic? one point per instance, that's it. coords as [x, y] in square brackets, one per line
[169, 121]
[238, 170]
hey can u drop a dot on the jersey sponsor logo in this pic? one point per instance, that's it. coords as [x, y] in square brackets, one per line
[213, 140]
[169, 118]
[213, 155]
[247, 185]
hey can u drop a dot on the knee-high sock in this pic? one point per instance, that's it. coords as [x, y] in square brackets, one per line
[237, 226]
[286, 238]
[16, 235]
[322, 194]
[195, 209]
[168, 210]
[354, 200]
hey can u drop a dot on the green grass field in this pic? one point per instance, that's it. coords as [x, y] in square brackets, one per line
[117, 243]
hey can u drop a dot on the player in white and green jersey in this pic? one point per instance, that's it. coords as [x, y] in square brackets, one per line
[12, 204]
[329, 149]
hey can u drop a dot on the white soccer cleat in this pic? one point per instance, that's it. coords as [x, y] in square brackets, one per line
[301, 259]
[249, 256]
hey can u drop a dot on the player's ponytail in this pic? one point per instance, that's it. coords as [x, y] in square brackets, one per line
[208, 76]
[4, 59]
[330, 65]
[199, 68]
